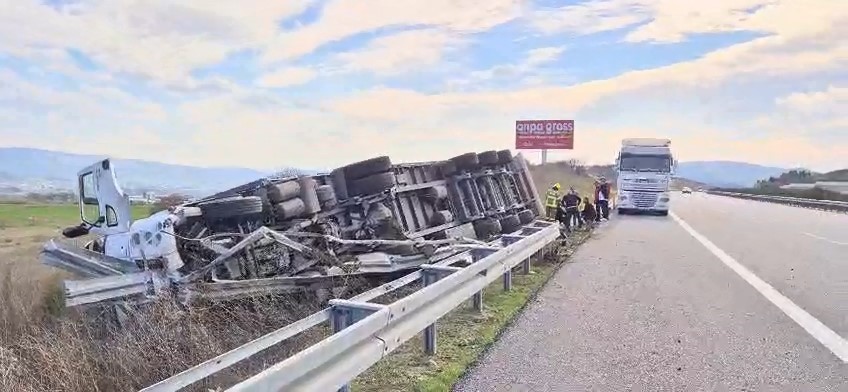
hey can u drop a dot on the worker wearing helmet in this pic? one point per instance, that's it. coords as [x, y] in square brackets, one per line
[551, 201]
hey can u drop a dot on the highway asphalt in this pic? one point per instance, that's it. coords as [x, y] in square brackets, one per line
[724, 295]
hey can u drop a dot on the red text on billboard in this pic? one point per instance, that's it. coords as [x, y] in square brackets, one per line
[544, 134]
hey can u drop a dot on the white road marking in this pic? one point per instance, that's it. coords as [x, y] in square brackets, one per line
[825, 239]
[835, 343]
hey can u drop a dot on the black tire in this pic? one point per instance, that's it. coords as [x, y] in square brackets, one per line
[231, 207]
[488, 158]
[448, 168]
[504, 157]
[289, 209]
[487, 227]
[284, 191]
[526, 216]
[441, 217]
[365, 168]
[510, 224]
[339, 183]
[375, 183]
[467, 161]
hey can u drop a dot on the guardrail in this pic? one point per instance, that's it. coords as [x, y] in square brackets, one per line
[364, 332]
[827, 205]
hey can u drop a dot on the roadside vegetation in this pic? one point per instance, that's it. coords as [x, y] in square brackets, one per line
[772, 186]
[46, 347]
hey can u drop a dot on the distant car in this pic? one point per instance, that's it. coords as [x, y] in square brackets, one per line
[687, 190]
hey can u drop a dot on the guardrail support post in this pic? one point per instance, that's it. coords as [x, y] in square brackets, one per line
[507, 280]
[525, 266]
[477, 301]
[345, 313]
[431, 274]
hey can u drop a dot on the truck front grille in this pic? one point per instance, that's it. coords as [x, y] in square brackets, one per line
[644, 200]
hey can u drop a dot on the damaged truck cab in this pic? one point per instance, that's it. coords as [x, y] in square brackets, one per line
[278, 234]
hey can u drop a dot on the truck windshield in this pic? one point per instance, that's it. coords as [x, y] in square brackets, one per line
[654, 163]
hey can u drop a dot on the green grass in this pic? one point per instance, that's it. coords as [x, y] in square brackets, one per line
[48, 215]
[462, 336]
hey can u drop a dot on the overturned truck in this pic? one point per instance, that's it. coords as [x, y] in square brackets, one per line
[281, 234]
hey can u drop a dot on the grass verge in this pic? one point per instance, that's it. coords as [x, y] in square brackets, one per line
[463, 335]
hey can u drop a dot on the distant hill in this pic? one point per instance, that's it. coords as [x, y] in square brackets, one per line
[34, 170]
[726, 173]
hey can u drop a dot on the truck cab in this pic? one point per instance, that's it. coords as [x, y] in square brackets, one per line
[644, 167]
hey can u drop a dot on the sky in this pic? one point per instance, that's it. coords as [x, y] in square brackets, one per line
[322, 83]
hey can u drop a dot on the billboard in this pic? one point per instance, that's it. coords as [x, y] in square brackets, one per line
[544, 135]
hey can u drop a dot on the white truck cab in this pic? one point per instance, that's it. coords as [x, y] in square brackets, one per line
[106, 212]
[645, 167]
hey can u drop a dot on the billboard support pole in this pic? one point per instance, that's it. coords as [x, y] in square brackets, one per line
[544, 156]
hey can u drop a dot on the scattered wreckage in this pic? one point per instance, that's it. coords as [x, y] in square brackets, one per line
[370, 219]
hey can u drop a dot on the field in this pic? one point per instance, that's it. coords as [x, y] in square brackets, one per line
[84, 353]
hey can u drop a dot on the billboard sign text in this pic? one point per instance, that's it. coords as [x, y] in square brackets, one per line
[544, 134]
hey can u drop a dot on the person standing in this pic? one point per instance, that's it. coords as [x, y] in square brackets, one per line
[569, 206]
[551, 201]
[602, 195]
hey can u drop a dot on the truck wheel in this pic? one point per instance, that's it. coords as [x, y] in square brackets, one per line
[448, 168]
[488, 158]
[375, 183]
[504, 157]
[510, 224]
[526, 216]
[441, 217]
[326, 196]
[365, 168]
[285, 191]
[289, 209]
[339, 183]
[231, 207]
[486, 227]
[467, 161]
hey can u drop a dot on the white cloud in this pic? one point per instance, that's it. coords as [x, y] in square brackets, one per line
[287, 76]
[338, 21]
[831, 100]
[221, 121]
[160, 39]
[401, 52]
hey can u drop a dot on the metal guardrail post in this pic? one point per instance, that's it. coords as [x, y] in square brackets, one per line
[507, 280]
[477, 298]
[344, 314]
[525, 265]
[431, 274]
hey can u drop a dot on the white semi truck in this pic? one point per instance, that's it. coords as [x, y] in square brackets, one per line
[645, 167]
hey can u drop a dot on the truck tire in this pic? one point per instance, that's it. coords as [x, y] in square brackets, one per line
[504, 157]
[526, 216]
[290, 209]
[441, 217]
[339, 184]
[308, 194]
[510, 224]
[368, 167]
[486, 227]
[448, 168]
[326, 196]
[285, 191]
[231, 207]
[373, 184]
[488, 158]
[467, 161]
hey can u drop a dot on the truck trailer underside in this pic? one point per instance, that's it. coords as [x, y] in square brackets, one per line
[370, 219]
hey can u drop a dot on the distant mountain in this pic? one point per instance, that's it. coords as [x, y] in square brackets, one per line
[726, 173]
[33, 170]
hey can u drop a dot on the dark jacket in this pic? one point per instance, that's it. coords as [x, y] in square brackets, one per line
[570, 201]
[602, 188]
[588, 212]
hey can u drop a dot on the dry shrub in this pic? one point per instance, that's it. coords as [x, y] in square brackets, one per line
[85, 351]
